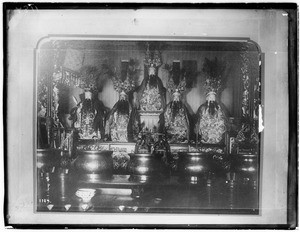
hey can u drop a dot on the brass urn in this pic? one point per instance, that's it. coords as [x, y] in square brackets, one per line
[48, 159]
[93, 166]
[193, 167]
[245, 165]
[145, 167]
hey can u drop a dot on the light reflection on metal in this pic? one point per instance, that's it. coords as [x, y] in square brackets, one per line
[143, 159]
[92, 177]
[39, 165]
[194, 179]
[195, 168]
[260, 120]
[143, 178]
[92, 165]
[195, 158]
[251, 169]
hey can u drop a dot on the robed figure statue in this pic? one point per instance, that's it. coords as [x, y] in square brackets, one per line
[211, 125]
[122, 124]
[175, 120]
[88, 116]
[151, 94]
[212, 121]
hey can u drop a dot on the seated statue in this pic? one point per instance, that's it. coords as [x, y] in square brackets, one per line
[122, 122]
[211, 119]
[151, 94]
[211, 126]
[88, 116]
[176, 120]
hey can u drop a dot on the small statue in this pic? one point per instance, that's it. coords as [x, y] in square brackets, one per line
[145, 141]
[150, 141]
[122, 122]
[247, 137]
[151, 94]
[212, 121]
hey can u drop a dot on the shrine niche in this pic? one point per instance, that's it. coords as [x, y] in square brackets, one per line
[148, 119]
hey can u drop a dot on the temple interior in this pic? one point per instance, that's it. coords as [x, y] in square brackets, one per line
[148, 126]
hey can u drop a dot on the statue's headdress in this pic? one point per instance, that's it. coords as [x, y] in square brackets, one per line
[172, 87]
[152, 58]
[123, 86]
[129, 83]
[177, 85]
[214, 76]
[89, 75]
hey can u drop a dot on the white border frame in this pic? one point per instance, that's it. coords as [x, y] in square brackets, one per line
[26, 28]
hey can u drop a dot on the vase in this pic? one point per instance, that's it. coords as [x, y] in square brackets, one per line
[48, 159]
[193, 167]
[93, 166]
[61, 187]
[145, 167]
[245, 165]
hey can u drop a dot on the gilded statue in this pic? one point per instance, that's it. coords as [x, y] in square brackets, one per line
[88, 116]
[212, 121]
[176, 119]
[123, 121]
[151, 94]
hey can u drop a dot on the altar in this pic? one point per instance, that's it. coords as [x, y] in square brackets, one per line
[148, 126]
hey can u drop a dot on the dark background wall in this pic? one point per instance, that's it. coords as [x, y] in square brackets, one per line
[95, 53]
